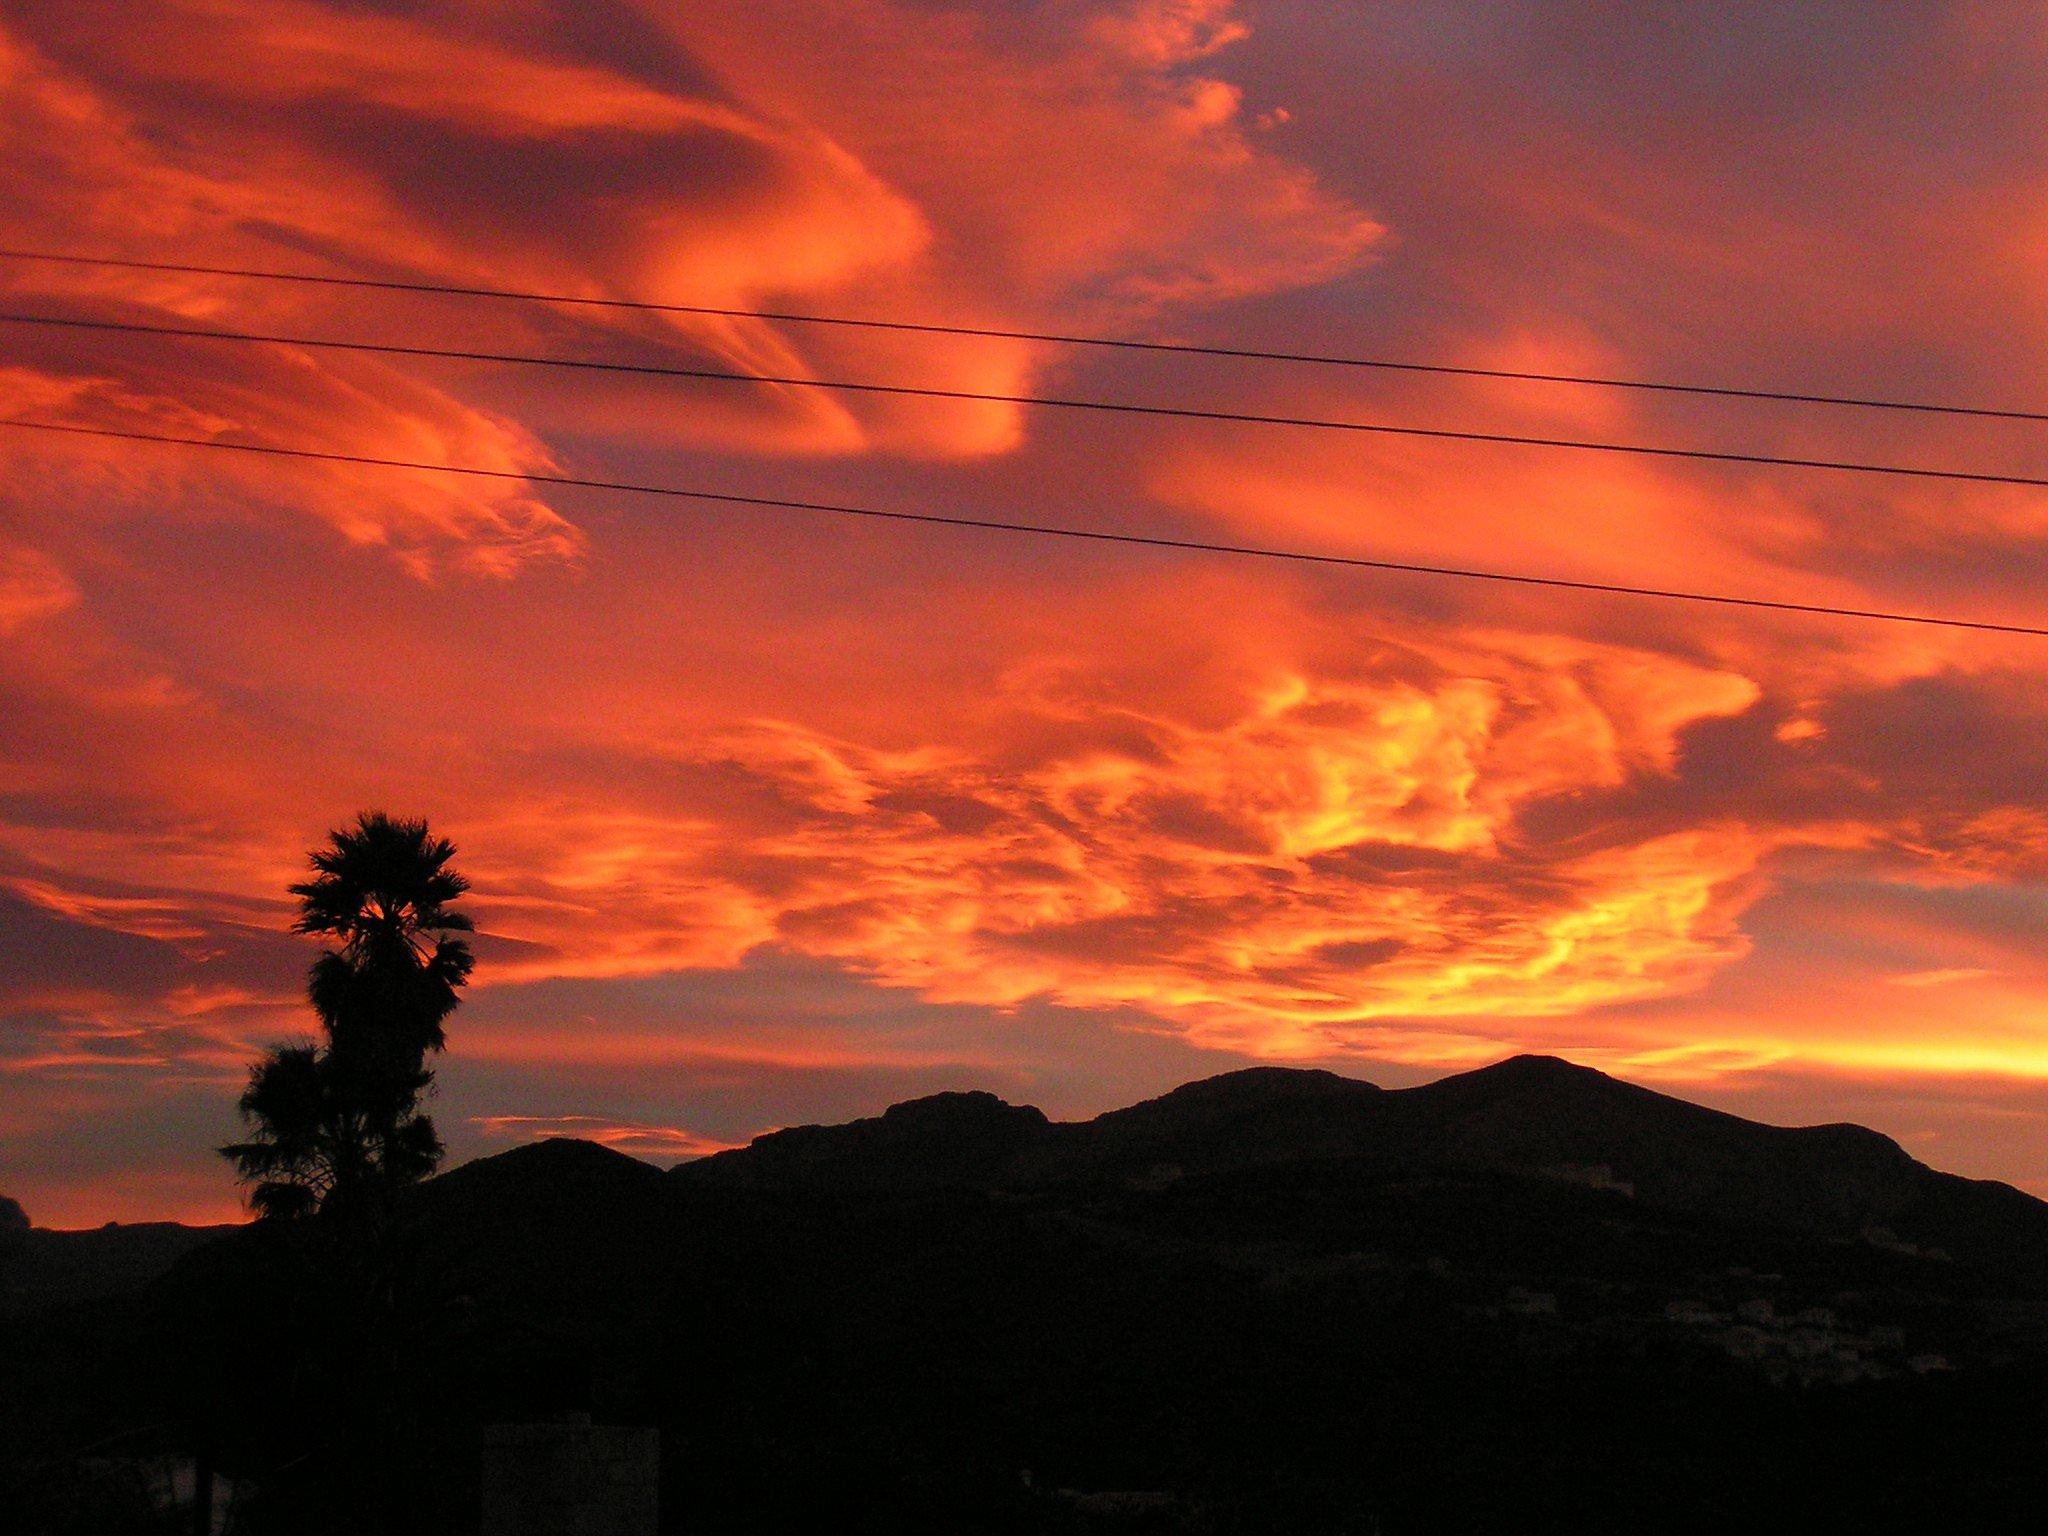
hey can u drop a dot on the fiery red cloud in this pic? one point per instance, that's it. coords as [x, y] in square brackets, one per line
[775, 818]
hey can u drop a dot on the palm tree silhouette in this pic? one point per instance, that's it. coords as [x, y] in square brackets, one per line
[337, 1124]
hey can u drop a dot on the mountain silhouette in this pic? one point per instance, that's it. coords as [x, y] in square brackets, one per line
[40, 1267]
[1529, 1298]
[1531, 1115]
[946, 1139]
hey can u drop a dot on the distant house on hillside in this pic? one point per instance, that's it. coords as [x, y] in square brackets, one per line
[1592, 1175]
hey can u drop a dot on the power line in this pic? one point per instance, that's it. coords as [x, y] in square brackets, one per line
[1051, 530]
[1065, 402]
[1057, 338]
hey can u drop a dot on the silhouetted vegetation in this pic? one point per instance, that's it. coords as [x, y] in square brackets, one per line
[337, 1124]
[344, 1312]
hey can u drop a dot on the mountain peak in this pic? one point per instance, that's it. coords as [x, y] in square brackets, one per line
[553, 1165]
[939, 1141]
[1271, 1082]
[560, 1154]
[1529, 1116]
[1534, 1068]
[955, 1108]
[1536, 1081]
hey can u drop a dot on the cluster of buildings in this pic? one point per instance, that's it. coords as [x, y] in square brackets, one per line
[1808, 1346]
[1791, 1343]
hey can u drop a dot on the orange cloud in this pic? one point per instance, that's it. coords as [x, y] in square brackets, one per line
[1088, 803]
[1324, 853]
[738, 193]
[32, 587]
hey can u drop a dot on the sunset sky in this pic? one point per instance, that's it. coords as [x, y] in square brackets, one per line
[774, 817]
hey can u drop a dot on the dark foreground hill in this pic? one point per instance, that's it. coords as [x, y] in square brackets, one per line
[1525, 1299]
[40, 1268]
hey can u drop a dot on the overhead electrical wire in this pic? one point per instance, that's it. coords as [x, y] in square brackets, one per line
[1985, 477]
[1066, 402]
[1049, 530]
[1057, 338]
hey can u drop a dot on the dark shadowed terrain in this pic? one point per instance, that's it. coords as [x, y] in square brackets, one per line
[43, 1268]
[1528, 1298]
